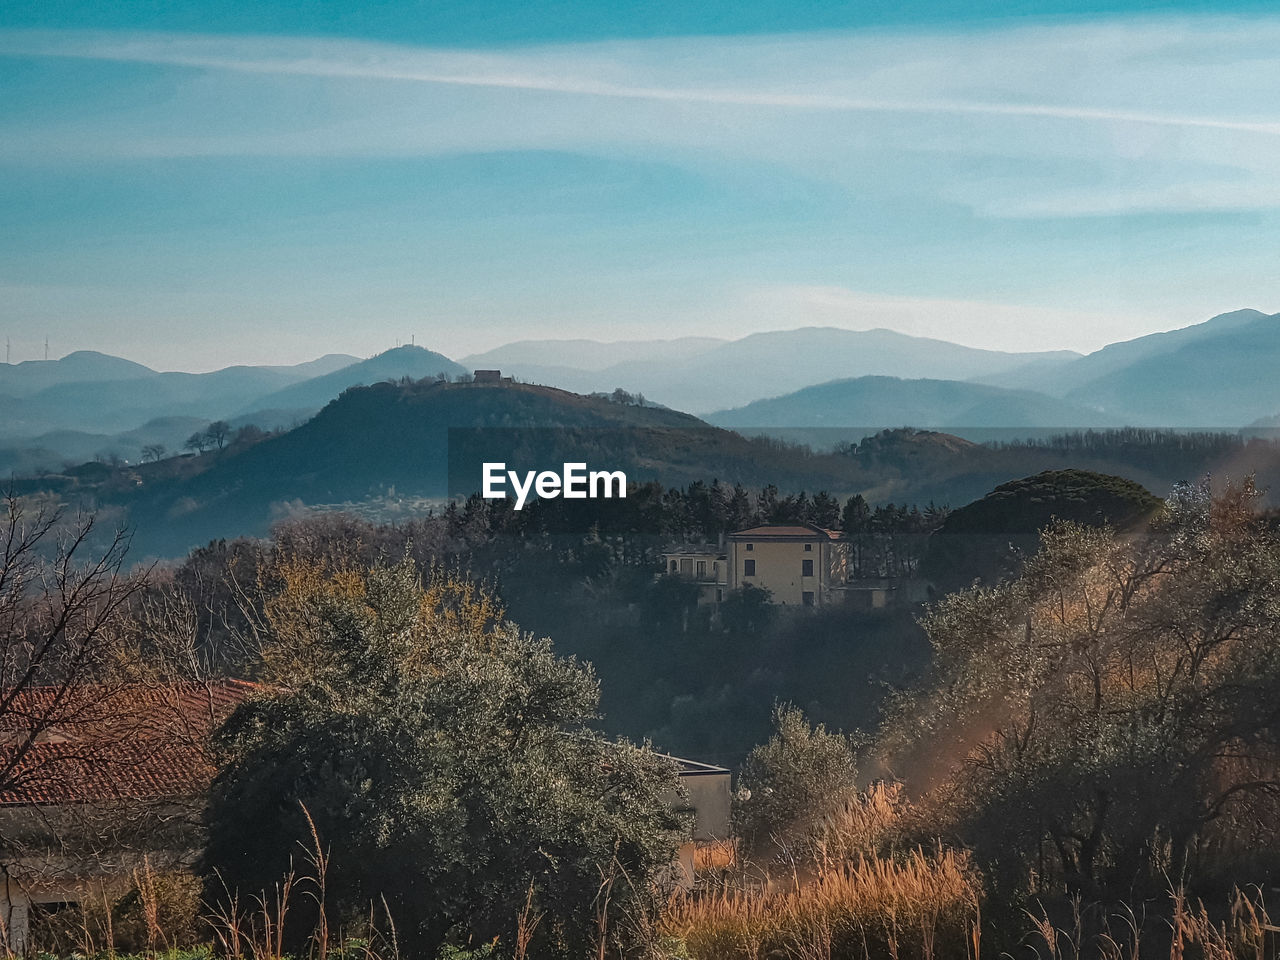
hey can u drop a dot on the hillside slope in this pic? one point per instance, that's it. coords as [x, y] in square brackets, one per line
[95, 393]
[1223, 378]
[31, 376]
[312, 394]
[395, 439]
[1215, 373]
[877, 402]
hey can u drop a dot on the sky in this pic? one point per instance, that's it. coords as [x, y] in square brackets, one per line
[193, 184]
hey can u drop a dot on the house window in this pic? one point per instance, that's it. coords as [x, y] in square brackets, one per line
[806, 568]
[808, 548]
[673, 566]
[751, 546]
[686, 567]
[807, 597]
[719, 595]
[748, 568]
[702, 568]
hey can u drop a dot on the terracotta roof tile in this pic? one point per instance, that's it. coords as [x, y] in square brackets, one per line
[131, 743]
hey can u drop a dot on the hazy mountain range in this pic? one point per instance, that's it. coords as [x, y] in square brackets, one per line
[89, 404]
[1219, 373]
[720, 374]
[874, 402]
[395, 450]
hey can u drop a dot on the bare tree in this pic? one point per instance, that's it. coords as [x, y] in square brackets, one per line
[63, 602]
[217, 433]
[198, 441]
[153, 452]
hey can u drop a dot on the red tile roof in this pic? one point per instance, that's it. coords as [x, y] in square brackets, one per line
[132, 743]
[789, 531]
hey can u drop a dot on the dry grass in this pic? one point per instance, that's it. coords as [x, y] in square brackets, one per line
[921, 906]
[859, 827]
[713, 857]
[1189, 932]
[150, 914]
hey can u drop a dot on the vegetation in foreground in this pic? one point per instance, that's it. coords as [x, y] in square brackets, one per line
[1088, 768]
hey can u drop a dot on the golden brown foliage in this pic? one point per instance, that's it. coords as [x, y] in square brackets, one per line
[919, 906]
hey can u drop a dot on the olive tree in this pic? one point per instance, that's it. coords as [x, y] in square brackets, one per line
[1108, 719]
[446, 759]
[789, 783]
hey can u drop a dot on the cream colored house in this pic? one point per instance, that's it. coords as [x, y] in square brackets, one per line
[705, 564]
[800, 564]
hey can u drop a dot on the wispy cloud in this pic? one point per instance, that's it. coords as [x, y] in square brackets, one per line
[577, 70]
[1154, 114]
[722, 184]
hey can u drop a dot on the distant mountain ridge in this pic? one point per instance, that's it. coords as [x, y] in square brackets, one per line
[1114, 357]
[1218, 374]
[89, 393]
[31, 376]
[588, 354]
[408, 361]
[737, 372]
[883, 402]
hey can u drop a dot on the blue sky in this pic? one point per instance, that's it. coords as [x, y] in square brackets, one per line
[198, 184]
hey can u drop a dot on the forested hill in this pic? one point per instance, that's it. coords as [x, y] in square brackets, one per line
[393, 439]
[385, 450]
[985, 539]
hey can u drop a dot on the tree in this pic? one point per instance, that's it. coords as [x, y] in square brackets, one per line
[153, 452]
[1108, 719]
[739, 512]
[669, 602]
[769, 505]
[217, 433]
[198, 441]
[746, 610]
[789, 783]
[250, 434]
[63, 631]
[856, 516]
[446, 758]
[826, 510]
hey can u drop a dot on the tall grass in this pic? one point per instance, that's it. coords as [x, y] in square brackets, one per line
[1189, 932]
[918, 907]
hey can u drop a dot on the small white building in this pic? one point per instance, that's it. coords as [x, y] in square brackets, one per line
[707, 797]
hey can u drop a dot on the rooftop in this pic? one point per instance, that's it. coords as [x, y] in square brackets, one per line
[695, 549]
[789, 531]
[695, 768]
[134, 742]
